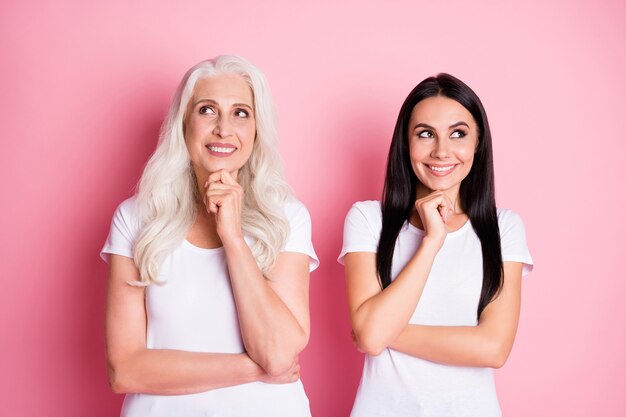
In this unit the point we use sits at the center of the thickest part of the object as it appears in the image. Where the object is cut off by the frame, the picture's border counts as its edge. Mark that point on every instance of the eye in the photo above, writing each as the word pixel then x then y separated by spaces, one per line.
pixel 206 110
pixel 243 114
pixel 425 134
pixel 457 134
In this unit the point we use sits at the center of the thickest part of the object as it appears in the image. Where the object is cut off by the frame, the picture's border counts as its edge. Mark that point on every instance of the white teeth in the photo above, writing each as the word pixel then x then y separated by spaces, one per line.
pixel 441 169
pixel 221 150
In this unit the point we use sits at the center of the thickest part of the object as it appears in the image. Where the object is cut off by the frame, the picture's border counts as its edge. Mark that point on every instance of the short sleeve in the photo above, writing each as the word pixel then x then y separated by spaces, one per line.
pixel 361 229
pixel 513 240
pixel 124 230
pixel 300 232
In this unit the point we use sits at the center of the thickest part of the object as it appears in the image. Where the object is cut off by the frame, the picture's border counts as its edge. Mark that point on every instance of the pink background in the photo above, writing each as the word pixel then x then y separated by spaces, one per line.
pixel 83 90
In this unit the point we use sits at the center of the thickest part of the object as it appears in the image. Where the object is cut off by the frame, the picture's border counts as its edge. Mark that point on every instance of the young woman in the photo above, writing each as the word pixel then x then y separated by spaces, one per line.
pixel 209 263
pixel 434 271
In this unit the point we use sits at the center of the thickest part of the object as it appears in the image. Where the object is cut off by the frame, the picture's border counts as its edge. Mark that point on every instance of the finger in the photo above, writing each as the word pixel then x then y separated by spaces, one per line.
pixel 442 203
pixel 433 198
pixel 219 186
pixel 215 204
pixel 432 204
pixel 217 197
pixel 444 212
pixel 449 207
pixel 221 198
pixel 214 177
pixel 212 207
pixel 227 178
pixel 224 195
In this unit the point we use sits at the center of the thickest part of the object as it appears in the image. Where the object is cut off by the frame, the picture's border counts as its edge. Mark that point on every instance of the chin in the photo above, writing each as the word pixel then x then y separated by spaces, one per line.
pixel 438 186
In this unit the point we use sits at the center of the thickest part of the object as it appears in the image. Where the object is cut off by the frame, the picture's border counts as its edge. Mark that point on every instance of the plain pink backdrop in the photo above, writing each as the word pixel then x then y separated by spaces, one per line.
pixel 83 90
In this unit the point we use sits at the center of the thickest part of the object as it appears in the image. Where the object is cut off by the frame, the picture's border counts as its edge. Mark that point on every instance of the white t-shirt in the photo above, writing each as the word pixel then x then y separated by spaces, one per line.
pixel 396 384
pixel 194 310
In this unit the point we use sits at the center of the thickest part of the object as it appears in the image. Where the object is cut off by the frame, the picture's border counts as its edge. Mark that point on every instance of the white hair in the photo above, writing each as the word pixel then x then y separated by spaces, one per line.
pixel 167 193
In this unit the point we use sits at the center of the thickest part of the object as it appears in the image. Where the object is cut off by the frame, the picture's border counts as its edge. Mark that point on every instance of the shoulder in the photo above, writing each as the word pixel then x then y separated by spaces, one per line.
pixel 126 219
pixel 365 216
pixel 371 209
pixel 295 210
pixel 513 239
pixel 509 219
pixel 128 212
pixel 299 239
pixel 124 230
pixel 361 230
pixel 129 206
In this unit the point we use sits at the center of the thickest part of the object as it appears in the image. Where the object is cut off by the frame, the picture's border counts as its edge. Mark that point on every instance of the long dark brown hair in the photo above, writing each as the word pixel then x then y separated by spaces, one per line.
pixel 477 194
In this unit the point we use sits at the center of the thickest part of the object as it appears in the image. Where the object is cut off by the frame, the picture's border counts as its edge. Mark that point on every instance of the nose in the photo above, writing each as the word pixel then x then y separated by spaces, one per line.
pixel 222 127
pixel 440 150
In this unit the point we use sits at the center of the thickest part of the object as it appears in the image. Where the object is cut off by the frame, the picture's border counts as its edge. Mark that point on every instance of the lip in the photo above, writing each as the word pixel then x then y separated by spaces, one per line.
pixel 441 170
pixel 221 150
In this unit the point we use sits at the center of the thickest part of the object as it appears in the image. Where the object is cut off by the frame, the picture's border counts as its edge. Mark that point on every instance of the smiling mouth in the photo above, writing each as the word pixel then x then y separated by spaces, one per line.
pixel 221 149
pixel 441 169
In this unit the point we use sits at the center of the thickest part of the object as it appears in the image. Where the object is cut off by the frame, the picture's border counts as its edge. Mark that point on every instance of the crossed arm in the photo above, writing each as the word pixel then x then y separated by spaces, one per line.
pixel 380 317
pixel 273 316
pixel 135 368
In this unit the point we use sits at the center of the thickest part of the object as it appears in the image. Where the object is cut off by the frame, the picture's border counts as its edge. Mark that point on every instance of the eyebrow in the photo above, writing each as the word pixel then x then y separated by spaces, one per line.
pixel 211 101
pixel 452 126
pixel 457 124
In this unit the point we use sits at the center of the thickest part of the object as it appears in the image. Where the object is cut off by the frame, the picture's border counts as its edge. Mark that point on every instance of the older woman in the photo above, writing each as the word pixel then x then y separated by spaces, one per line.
pixel 209 263
pixel 434 271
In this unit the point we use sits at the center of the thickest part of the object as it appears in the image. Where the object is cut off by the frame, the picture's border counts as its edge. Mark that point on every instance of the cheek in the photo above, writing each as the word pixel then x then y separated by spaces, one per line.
pixel 468 164
pixel 417 152
pixel 247 134
pixel 467 156
pixel 190 131
pixel 465 153
pixel 193 140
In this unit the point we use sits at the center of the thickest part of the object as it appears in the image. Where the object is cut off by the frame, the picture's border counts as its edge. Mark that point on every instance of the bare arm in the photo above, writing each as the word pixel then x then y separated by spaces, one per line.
pixel 487 345
pixel 378 316
pixel 135 368
pixel 273 314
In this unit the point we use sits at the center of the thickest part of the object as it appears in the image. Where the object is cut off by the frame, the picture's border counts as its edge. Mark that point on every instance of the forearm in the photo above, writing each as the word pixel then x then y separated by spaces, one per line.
pixel 487 345
pixel 453 345
pixel 271 333
pixel 378 321
pixel 173 372
pixel 137 369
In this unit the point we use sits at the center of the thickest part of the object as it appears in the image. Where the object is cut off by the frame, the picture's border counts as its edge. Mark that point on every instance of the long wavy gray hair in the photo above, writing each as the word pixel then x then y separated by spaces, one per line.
pixel 167 188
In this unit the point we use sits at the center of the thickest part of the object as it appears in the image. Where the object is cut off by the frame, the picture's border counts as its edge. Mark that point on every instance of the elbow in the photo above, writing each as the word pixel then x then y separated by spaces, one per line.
pixel 280 362
pixel 120 379
pixel 116 382
pixel 277 366
pixel 370 348
pixel 498 361
pixel 118 388
pixel 277 355
pixel 368 343
pixel 497 355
